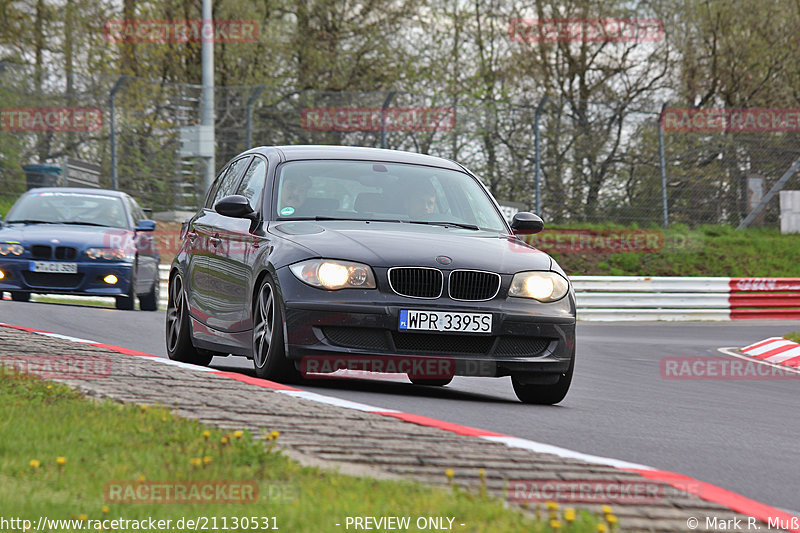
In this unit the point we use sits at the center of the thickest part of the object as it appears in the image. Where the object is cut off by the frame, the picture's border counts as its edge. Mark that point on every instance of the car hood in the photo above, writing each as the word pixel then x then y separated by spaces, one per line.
pixel 387 244
pixel 66 234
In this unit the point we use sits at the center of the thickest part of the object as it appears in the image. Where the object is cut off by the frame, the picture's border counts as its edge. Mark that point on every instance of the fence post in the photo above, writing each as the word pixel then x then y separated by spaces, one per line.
pixel 386 104
pixel 771 194
pixel 250 103
pixel 113 134
pixel 664 207
pixel 537 155
pixel 207 75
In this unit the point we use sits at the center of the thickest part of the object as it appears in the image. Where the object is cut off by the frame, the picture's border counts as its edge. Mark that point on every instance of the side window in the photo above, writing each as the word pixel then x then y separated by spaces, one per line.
pixel 253 183
pixel 212 192
pixel 228 183
pixel 136 211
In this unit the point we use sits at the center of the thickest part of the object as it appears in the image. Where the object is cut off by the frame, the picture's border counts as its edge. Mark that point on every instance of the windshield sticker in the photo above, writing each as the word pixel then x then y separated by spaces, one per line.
pixel 287 211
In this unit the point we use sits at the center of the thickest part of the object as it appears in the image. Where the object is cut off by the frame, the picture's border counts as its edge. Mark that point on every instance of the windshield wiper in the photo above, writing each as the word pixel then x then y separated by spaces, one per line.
pixel 29 221
pixel 446 224
pixel 86 224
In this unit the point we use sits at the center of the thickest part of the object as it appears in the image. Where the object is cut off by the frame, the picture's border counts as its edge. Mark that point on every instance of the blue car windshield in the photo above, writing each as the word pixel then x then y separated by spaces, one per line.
pixel 384 191
pixel 57 207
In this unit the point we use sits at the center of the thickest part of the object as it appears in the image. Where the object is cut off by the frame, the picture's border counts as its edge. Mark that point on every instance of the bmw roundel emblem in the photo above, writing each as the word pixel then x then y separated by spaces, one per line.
pixel 443 260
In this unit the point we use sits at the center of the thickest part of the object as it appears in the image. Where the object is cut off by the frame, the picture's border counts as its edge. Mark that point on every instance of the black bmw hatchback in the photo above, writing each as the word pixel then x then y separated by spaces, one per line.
pixel 317 259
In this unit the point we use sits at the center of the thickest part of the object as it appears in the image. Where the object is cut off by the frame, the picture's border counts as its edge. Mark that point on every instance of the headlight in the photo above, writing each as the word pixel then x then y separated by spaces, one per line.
pixel 7 248
pixel 542 286
pixel 106 253
pixel 334 275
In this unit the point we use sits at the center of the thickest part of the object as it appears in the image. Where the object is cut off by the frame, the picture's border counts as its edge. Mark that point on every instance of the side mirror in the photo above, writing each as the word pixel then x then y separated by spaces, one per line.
pixel 1 221
pixel 235 206
pixel 146 225
pixel 526 224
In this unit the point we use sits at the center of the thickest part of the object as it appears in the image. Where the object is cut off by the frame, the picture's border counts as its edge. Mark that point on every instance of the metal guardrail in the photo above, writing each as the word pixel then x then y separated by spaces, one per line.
pixel 686 298
pixel 607 298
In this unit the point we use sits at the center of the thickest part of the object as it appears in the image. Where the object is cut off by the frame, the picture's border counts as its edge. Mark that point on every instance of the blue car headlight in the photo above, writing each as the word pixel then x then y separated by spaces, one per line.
pixel 109 254
pixel 10 248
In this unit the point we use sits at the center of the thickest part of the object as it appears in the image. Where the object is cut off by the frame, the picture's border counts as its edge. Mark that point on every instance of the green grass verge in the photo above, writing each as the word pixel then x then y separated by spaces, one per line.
pixel 793 336
pixel 106 442
pixel 700 251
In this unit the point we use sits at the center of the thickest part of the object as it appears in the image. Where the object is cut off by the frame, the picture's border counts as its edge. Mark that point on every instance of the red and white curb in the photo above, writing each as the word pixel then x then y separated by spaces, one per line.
pixel 706 491
pixel 775 350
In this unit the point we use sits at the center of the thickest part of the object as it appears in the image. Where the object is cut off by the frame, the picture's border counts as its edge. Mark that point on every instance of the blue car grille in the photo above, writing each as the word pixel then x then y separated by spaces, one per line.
pixel 44 251
pixel 41 251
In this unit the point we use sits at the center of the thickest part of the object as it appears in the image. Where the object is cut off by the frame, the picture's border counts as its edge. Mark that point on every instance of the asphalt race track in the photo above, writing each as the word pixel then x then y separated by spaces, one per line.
pixel 738 434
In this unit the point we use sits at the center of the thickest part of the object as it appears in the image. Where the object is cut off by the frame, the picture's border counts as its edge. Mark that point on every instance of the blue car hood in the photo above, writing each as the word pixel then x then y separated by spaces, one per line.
pixel 66 235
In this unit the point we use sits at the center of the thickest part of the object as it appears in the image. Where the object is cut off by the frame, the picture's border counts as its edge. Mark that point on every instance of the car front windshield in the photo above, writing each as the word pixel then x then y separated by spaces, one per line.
pixel 367 190
pixel 56 207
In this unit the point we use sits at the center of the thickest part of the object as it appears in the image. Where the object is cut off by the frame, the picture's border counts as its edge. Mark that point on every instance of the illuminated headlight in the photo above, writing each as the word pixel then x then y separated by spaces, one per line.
pixel 334 275
pixel 106 253
pixel 542 286
pixel 8 248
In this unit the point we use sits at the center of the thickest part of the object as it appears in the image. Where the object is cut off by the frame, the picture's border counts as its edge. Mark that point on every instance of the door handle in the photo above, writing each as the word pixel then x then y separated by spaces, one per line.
pixel 215 240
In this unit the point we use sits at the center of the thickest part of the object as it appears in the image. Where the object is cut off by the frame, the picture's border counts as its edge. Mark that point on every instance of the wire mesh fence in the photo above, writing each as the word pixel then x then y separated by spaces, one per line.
pixel 597 162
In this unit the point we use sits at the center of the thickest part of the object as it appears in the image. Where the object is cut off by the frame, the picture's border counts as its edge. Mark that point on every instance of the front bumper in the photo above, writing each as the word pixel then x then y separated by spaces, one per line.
pixel 527 337
pixel 88 281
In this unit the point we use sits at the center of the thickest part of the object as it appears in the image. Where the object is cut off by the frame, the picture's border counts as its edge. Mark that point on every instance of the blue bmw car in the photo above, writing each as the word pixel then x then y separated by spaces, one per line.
pixel 89 242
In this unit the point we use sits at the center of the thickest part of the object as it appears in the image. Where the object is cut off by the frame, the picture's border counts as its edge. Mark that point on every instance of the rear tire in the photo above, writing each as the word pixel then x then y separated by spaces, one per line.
pixel 20 296
pixel 178 329
pixel 149 302
pixel 544 394
pixel 269 353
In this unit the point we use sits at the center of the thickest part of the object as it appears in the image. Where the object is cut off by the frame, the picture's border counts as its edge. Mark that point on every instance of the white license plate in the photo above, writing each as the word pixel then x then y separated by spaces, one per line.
pixel 60 268
pixel 445 321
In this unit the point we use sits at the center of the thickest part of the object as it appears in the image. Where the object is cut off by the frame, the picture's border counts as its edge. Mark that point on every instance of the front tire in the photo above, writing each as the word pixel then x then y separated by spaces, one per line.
pixel 125 303
pixel 544 394
pixel 178 329
pixel 149 302
pixel 20 296
pixel 269 354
